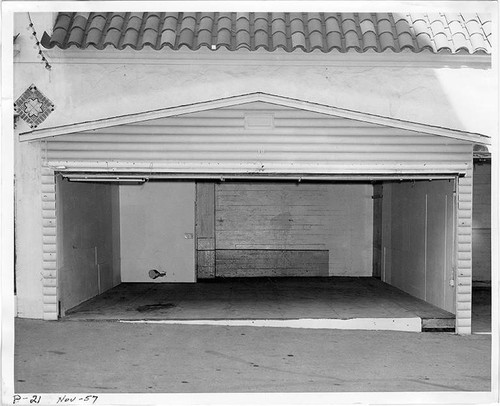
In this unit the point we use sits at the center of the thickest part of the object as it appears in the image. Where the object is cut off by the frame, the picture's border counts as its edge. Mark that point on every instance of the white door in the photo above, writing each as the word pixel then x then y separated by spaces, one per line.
pixel 157 231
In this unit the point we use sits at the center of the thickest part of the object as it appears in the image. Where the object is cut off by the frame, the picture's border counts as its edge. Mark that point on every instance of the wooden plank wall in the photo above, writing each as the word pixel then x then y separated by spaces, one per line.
pixel 252 263
pixel 276 219
pixel 205 230
pixel 377 229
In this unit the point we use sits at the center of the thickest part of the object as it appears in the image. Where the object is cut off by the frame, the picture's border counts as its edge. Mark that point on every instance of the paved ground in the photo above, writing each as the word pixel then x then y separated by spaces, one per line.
pixel 80 356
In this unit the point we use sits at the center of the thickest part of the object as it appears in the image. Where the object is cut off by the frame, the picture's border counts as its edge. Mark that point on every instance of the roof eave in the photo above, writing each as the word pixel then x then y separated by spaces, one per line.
pixel 261 57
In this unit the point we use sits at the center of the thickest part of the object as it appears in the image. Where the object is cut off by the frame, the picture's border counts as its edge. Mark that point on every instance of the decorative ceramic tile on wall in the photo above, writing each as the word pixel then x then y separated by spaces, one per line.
pixel 33 106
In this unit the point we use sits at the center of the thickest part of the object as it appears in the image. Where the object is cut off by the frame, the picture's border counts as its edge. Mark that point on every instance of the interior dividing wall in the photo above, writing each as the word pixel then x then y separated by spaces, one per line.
pixel 481 222
pixel 293 229
pixel 157 231
pixel 87 239
pixel 418 239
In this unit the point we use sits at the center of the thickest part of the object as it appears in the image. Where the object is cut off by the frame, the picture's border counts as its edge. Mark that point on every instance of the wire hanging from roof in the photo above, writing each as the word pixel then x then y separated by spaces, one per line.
pixel 40 52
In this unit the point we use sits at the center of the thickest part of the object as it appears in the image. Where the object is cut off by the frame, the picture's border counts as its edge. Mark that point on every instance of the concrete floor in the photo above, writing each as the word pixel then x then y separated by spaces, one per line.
pixel 89 357
pixel 259 298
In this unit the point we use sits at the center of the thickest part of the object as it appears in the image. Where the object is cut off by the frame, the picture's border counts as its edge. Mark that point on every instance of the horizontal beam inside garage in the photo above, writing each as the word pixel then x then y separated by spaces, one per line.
pixel 117 177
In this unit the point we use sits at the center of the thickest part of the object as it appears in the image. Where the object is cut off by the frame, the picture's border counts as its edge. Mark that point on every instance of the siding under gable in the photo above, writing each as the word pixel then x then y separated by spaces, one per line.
pixel 258 138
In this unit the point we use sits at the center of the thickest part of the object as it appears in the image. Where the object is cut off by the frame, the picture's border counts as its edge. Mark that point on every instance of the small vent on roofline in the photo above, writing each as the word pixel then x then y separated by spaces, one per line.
pixel 259 121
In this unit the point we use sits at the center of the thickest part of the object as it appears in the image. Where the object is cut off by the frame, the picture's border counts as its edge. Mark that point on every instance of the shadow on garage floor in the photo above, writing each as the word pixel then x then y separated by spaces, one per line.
pixel 481 309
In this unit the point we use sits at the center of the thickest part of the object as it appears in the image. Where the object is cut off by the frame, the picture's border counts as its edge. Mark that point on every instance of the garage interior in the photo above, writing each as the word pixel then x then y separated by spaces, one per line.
pixel 135 247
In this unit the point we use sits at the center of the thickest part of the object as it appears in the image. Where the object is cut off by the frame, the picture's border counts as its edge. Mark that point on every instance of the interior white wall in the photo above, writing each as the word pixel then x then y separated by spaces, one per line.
pixel 155 218
pixel 87 227
pixel 417 240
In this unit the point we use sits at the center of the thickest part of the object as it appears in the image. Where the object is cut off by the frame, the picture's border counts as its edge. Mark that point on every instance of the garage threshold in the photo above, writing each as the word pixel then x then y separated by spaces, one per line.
pixel 324 302
pixel 380 323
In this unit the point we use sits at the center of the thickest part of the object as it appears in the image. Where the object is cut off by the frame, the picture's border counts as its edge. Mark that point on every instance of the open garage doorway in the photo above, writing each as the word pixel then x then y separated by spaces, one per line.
pixel 113 231
pixel 258 250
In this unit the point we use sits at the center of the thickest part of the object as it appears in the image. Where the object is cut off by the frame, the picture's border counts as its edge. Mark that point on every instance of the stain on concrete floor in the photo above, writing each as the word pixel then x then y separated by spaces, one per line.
pixel 155 307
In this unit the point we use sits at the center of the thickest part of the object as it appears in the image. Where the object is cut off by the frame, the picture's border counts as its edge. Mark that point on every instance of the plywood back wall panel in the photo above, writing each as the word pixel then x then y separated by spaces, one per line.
pixel 299 216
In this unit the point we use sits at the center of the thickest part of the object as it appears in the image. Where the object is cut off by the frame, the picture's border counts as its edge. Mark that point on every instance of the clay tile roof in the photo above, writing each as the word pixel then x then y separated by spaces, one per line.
pixel 437 32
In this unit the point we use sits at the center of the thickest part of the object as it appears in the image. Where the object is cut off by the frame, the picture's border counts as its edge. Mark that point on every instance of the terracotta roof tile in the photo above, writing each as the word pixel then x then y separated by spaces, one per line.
pixel 76 36
pixel 314 25
pixel 421 27
pixel 460 43
pixel 130 38
pixel 299 40
pixel 370 41
pixel 438 27
pixel 116 21
pixel 261 40
pixel 402 26
pixel 112 37
pixel 150 37
pixel 316 40
pixel 397 17
pixel 406 41
pixel 367 26
pixel 478 42
pixel 487 28
pixel 384 26
pixel 424 41
pixel 441 42
pixel 387 41
pixel 436 32
pixel 243 40
pixel 168 38
pixel 349 25
pixel 352 40
pixel 332 24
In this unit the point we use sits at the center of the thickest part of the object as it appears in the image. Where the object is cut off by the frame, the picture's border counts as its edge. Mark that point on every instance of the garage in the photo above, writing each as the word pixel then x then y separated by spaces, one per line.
pixel 258 188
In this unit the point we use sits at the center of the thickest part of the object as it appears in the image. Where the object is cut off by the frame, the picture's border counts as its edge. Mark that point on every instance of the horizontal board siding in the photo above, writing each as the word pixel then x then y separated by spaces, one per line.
pixel 464 257
pixel 259 263
pixel 219 141
pixel 49 265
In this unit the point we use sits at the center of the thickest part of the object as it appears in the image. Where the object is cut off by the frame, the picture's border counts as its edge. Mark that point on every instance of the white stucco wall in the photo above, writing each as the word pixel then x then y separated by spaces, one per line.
pixel 28 230
pixel 463 99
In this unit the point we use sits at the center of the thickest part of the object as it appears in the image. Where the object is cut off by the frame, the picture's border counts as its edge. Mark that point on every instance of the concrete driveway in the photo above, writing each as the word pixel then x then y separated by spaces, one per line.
pixel 69 356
